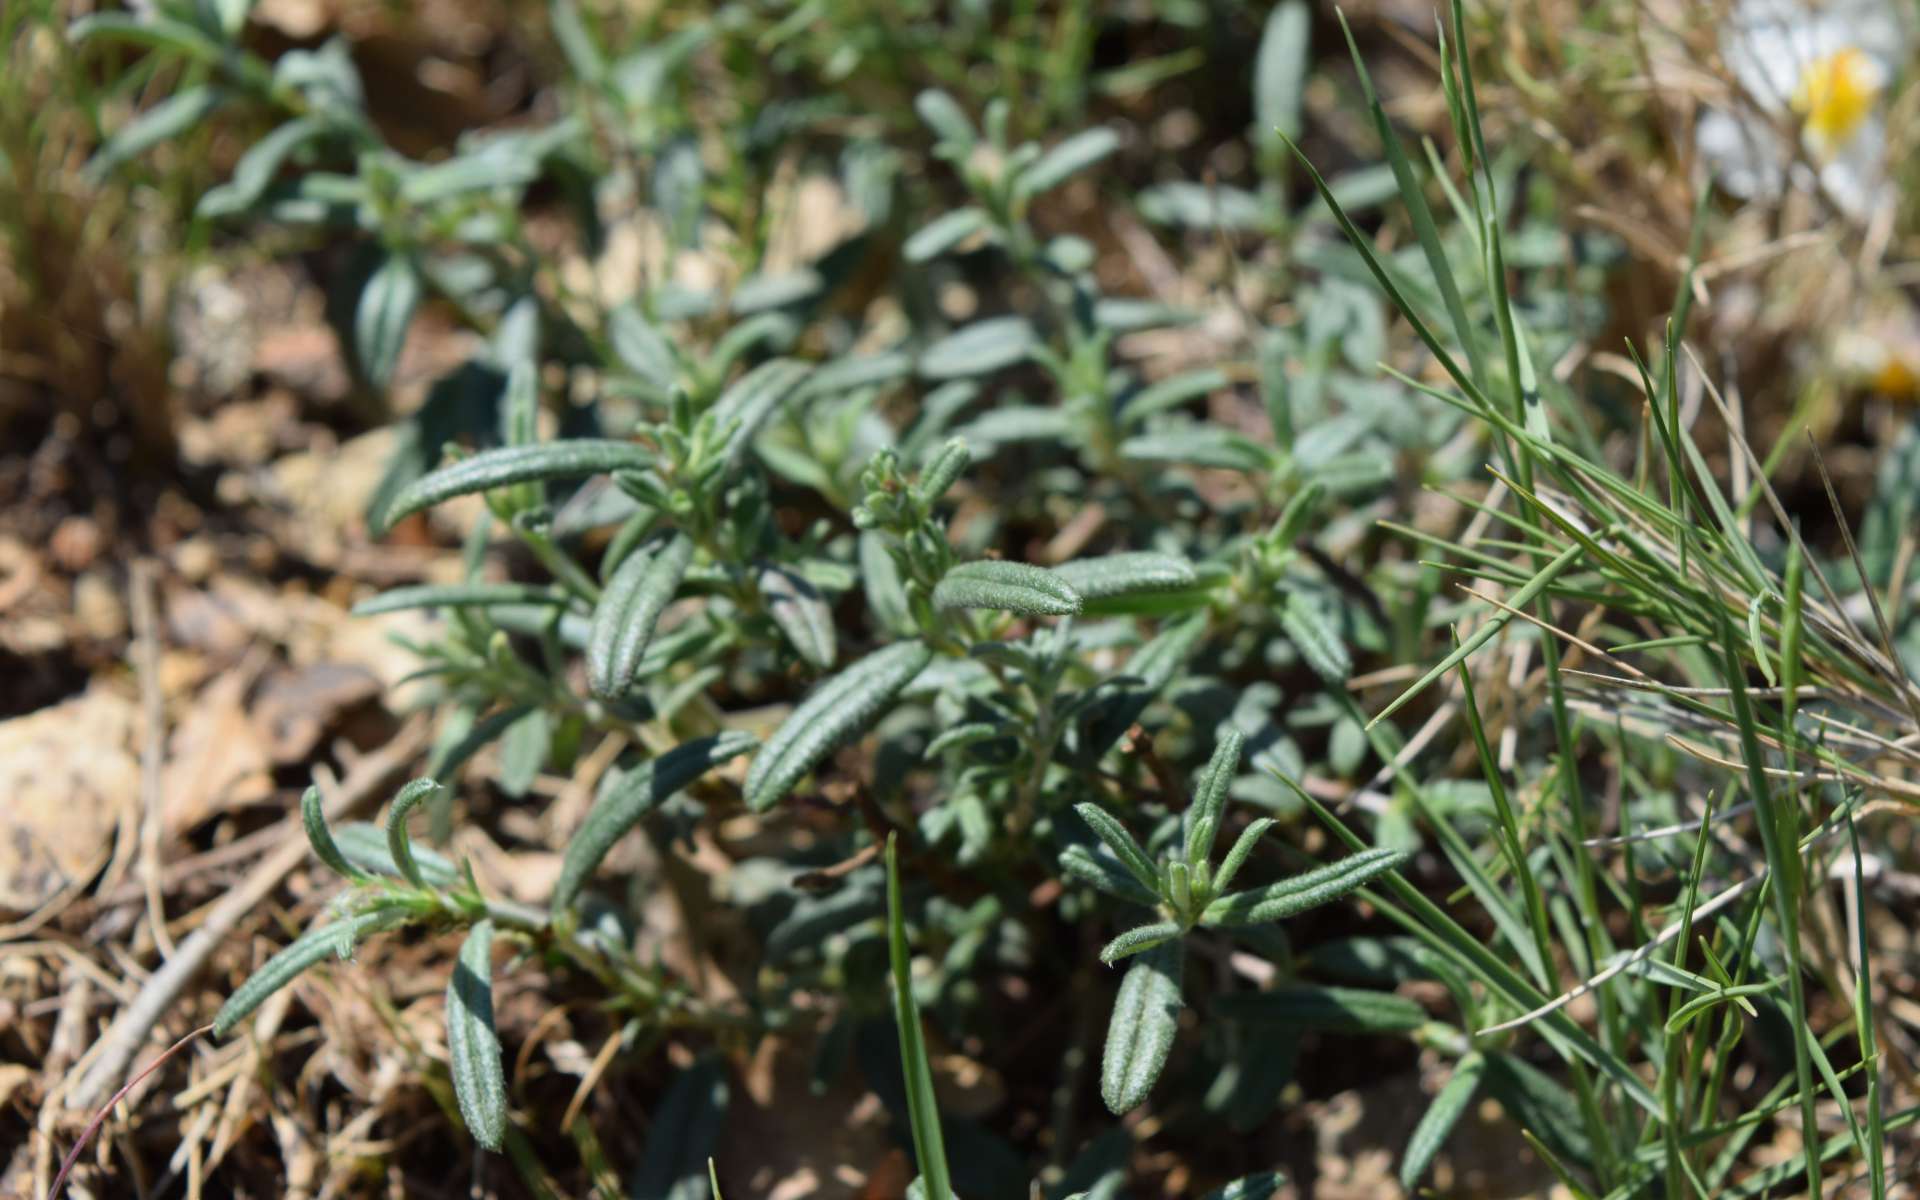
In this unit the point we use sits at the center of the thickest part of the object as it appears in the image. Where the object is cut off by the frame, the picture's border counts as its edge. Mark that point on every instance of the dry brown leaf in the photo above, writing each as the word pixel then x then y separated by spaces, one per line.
pixel 217 758
pixel 65 771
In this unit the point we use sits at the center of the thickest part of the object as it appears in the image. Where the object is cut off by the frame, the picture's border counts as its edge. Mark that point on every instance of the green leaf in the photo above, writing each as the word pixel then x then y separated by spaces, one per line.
pixel 628 611
pixel 1262 1185
pixel 365 846
pixel 460 595
pixel 943 233
pixel 955 736
pixel 641 347
pixel 880 582
pixel 1130 573
pixel 1108 874
pixel 1070 157
pixel 1539 1105
pixel 1317 638
pixel 1280 74
pixel 637 792
pixel 801 612
pixel 685 1130
pixel 160 33
pixel 979 348
pixel 569 459
pixel 743 408
pixel 1146 1014
pixel 945 118
pixel 1199 446
pixel 1006 586
pixel 321 838
pixel 382 316
pixel 525 747
pixel 1171 393
pixel 1117 839
pixel 1289 896
pixel 399 845
pixel 335 939
pixel 257 167
pixel 1335 1009
pixel 923 1112
pixel 1209 805
pixel 838 710
pixel 164 121
pixel 1431 1133
pixel 1202 206
pixel 1242 847
pixel 473 1049
pixel 1140 939
pixel 943 469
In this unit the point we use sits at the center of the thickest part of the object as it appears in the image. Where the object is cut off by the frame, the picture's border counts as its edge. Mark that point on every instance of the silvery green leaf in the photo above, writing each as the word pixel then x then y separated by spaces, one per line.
pixel 1121 314
pixel 753 399
pixel 945 118
pixel 1280 73
pixel 631 796
pixel 833 713
pixel 461 595
pixel 1199 446
pixel 399 844
pixel 384 313
pixel 943 233
pixel 524 749
pixel 163 122
pixel 684 1129
pixel 628 611
pixel 1539 1104
pixel 334 939
pixel 577 42
pixel 1262 1185
pixel 504 465
pixel 1104 871
pixel 1146 1015
pixel 1317 639
pixel 1007 587
pixel 465 737
pixel 321 838
pixel 880 579
pixel 1127 573
pixel 1334 1009
pixel 1237 855
pixel 257 167
pixel 943 469
pixel 161 33
pixel 979 348
pixel 1076 154
pixel 1118 840
pixel 1201 206
pixel 1308 890
pixel 956 736
pixel 1209 806
pixel 641 347
pixel 1139 939
pixel 1453 1099
pixel 365 846
pixel 1171 394
pixel 678 178
pixel 473 1049
pixel 802 614
pixel 1015 424
pixel 761 293
pixel 852 374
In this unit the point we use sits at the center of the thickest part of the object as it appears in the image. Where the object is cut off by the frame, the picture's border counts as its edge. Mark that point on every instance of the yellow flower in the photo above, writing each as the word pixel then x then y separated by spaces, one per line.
pixel 1836 95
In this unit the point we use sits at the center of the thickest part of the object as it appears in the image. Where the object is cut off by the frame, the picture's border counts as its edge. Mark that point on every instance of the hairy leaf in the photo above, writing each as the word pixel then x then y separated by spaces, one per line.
pixel 1431 1133
pixel 800 611
pixel 473 1049
pixel 686 1127
pixel 1317 638
pixel 1106 873
pixel 321 838
pixel 460 595
pixel 398 843
pixel 943 233
pixel 1006 586
pixel 1076 154
pixel 628 611
pixel 365 846
pixel 1146 1015
pixel 570 459
pixel 743 408
pixel 836 711
pixel 636 793
pixel 1127 574
pixel 336 939
pixel 1209 805
pixel 1139 939
pixel 1289 896
pixel 381 319
pixel 979 348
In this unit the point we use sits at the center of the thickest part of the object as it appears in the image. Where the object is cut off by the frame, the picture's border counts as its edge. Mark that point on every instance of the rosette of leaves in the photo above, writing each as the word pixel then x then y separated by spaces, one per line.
pixel 1186 889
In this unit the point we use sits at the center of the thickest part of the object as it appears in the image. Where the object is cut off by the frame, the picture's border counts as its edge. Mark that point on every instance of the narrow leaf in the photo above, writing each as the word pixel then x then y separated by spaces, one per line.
pixel 1127 574
pixel 1139 939
pixel 1006 586
pixel 381 319
pixel 460 595
pixel 929 1147
pixel 943 233
pixel 1335 1009
pixel 321 838
pixel 1209 805
pixel 399 845
pixel 1455 1096
pixel 1315 887
pixel 800 611
pixel 473 1049
pixel 635 794
pixel 1118 840
pixel 1076 154
pixel 1261 1186
pixel 1106 873
pixel 743 408
pixel 628 611
pixel 686 1129
pixel 335 939
pixel 979 348
pixel 1317 639
pixel 836 711
pixel 571 459
pixel 1146 1015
